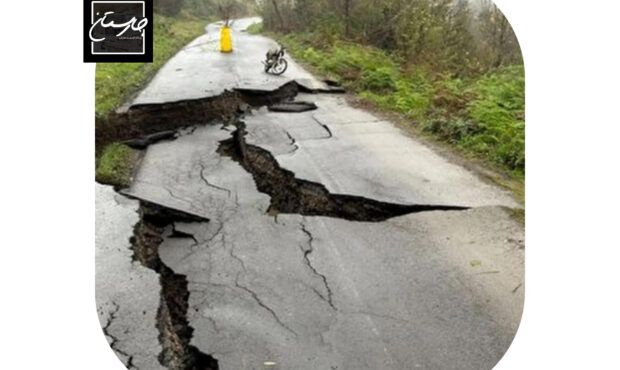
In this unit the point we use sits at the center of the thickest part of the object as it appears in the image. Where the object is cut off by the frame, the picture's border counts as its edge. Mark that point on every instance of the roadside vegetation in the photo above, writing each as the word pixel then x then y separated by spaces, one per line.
pixel 255 29
pixel 115 83
pixel 115 165
pixel 452 69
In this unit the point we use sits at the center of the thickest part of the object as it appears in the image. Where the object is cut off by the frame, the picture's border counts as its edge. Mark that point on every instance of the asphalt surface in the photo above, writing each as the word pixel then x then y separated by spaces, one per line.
pixel 126 292
pixel 431 290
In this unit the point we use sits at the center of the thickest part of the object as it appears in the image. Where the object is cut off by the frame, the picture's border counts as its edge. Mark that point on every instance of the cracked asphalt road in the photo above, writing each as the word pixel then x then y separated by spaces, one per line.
pixel 429 290
pixel 127 293
pixel 199 70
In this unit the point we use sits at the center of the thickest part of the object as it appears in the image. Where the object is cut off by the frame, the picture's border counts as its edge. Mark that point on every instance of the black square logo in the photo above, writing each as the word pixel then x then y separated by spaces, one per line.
pixel 118 31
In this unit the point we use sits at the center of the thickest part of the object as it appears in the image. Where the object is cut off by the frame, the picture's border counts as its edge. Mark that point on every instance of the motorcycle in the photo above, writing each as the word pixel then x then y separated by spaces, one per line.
pixel 275 63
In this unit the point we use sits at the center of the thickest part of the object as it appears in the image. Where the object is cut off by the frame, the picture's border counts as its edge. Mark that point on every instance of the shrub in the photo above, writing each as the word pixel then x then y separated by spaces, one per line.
pixel 379 79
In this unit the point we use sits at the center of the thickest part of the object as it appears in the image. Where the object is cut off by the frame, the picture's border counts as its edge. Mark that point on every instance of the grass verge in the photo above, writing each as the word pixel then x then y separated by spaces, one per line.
pixel 481 117
pixel 255 28
pixel 115 83
pixel 115 166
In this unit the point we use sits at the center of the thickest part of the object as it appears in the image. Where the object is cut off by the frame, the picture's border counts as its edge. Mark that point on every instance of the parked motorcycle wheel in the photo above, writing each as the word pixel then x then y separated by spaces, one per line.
pixel 280 66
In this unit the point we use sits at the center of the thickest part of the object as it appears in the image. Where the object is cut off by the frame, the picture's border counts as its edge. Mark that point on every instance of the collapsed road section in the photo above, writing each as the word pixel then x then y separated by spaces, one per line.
pixel 145 124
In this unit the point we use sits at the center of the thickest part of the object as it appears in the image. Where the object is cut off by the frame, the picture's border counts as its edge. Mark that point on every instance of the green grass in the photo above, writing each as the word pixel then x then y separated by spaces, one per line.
pixel 518 214
pixel 483 117
pixel 255 29
pixel 115 165
pixel 116 82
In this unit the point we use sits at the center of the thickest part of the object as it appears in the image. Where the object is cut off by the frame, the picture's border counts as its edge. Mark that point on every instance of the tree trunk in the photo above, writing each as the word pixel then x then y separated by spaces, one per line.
pixel 278 15
pixel 347 17
pixel 501 40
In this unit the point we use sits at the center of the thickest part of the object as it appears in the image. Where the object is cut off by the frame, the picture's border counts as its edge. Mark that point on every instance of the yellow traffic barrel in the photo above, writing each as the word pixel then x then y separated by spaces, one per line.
pixel 225 40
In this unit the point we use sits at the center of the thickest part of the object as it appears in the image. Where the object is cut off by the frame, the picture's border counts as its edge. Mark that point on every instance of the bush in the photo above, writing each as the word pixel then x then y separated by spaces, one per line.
pixel 380 79
pixel 499 106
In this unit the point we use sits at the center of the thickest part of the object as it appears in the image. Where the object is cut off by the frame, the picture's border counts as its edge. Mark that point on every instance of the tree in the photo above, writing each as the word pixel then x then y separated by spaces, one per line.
pixel 278 14
pixel 498 41
pixel 229 9
pixel 442 34
pixel 347 17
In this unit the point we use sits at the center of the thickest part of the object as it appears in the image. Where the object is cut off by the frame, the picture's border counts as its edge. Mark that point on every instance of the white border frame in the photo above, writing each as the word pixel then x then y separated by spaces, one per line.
pixel 92 20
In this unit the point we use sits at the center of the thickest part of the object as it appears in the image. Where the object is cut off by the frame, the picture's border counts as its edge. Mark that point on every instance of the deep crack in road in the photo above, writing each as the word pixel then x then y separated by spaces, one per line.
pixel 292 195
